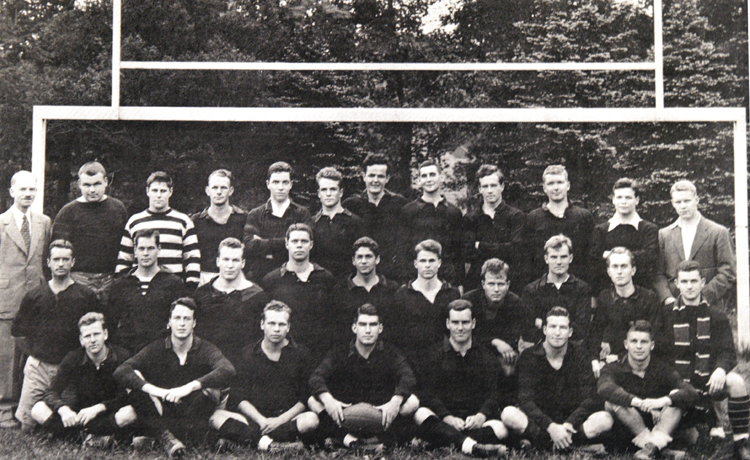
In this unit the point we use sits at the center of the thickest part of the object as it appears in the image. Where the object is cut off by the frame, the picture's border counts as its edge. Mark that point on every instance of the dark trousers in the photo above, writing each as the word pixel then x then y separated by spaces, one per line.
pixel 187 420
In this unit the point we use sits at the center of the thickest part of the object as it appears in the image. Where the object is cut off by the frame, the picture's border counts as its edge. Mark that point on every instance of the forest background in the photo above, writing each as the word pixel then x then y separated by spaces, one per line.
pixel 57 52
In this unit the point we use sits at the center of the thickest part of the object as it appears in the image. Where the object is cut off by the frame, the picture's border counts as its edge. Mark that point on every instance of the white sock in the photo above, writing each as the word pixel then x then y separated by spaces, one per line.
pixel 264 443
pixel 467 446
pixel 349 439
pixel 738 437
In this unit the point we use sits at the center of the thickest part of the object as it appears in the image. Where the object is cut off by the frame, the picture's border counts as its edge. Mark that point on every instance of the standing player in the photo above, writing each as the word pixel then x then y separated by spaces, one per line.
pixel 495 230
pixel 266 225
pixel 46 326
pixel 24 237
pixel 218 221
pixel 230 304
pixel 380 210
pixel 179 252
pixel 93 223
pixel 335 229
pixel 431 217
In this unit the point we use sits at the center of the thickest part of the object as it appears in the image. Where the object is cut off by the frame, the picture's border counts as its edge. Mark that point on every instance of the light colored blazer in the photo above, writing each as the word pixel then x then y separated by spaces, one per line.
pixel 21 271
pixel 712 249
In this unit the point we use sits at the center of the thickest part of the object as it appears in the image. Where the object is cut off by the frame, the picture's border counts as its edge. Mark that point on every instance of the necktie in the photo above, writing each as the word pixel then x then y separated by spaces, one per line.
pixel 25 232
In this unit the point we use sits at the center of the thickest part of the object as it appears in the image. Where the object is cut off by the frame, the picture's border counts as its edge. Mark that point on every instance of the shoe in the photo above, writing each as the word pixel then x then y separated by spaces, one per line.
pixel 648 452
pixel 295 446
pixel 174 447
pixel 717 432
pixel 224 445
pixel 489 450
pixel 742 449
pixel 594 449
pixel 332 444
pixel 142 443
pixel 367 447
pixel 673 454
pixel 99 442
pixel 524 444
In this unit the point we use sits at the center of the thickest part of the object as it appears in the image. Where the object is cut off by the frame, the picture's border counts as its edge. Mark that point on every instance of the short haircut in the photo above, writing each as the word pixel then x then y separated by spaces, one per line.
pixel 366 309
pixel 329 173
pixel 92 168
pixel 460 305
pixel 280 167
pixel 186 302
pixel 222 173
pixel 377 159
pixel 621 250
pixel 298 227
pixel 488 170
pixel 626 182
pixel 18 174
pixel 683 186
pixel 496 267
pixel 232 243
pixel 642 325
pixel 557 311
pixel 429 246
pixel 160 177
pixel 427 163
pixel 62 244
pixel 276 305
pixel 555 170
pixel 558 241
pixel 366 242
pixel 147 233
pixel 688 266
pixel 90 318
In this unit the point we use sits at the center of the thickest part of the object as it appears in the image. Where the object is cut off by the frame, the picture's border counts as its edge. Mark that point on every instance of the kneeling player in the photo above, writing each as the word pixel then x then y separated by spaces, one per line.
pixel 87 375
pixel 270 388
pixel 558 404
pixel 640 389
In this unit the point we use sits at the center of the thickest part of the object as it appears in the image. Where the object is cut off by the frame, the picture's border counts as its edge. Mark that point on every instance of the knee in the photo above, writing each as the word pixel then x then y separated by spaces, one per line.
pixel 307 421
pixel 514 419
pixel 125 416
pixel 422 414
pixel 41 412
pixel 220 416
pixel 501 432
pixel 409 406
pixel 736 385
pixel 597 424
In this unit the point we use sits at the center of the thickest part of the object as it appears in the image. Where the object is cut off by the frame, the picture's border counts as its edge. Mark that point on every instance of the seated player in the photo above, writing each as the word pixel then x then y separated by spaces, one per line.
pixel 463 385
pixel 640 389
pixel 558 404
pixel 169 379
pixel 368 370
pixel 86 377
pixel 503 322
pixel 698 341
pixel 230 304
pixel 269 393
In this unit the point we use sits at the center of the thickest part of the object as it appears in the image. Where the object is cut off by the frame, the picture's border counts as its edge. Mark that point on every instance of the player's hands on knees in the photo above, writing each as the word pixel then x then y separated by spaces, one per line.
pixel 475 422
pixel 650 404
pixel 334 407
pixel 270 424
pixel 455 422
pixel 561 435
pixel 596 367
pixel 68 416
pixel 175 394
pixel 90 413
pixel 507 353
pixel 605 350
pixel 717 381
pixel 390 412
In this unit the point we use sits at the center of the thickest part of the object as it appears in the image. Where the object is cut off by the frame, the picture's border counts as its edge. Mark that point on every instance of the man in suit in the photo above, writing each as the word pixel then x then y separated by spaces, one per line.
pixel 693 237
pixel 24 237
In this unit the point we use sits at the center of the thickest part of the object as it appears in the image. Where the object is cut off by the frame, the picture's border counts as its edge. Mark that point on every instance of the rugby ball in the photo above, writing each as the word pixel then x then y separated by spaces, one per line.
pixel 363 420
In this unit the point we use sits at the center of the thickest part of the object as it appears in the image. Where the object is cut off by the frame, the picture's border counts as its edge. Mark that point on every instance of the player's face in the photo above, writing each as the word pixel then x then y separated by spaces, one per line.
pixel 639 345
pixel 685 203
pixel 365 261
pixel 92 337
pixel 60 262
pixel 491 190
pixel 329 192
pixel 219 190
pixel 427 264
pixel 279 184
pixel 690 285
pixel 375 178
pixel 146 252
pixel 625 201
pixel 429 179
pixel 495 287
pixel 182 322
pixel 230 263
pixel 158 196
pixel 299 245
pixel 620 269
pixel 92 187
pixel 556 187
pixel 557 331
pixel 558 260
pixel 23 191
pixel 368 329
pixel 275 326
pixel 460 325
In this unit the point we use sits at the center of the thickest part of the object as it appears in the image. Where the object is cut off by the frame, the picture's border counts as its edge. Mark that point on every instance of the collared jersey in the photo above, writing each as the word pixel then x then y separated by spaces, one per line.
pixel 508 321
pixel 350 297
pixel 574 294
pixel 333 241
pixel 211 233
pixel 642 241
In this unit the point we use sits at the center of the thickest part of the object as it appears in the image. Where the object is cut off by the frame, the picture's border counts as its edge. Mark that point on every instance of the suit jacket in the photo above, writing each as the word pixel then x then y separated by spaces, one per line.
pixel 21 270
pixel 712 249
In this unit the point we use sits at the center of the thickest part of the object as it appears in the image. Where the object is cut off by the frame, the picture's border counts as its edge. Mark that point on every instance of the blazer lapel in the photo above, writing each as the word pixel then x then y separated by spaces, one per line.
pixel 701 234
pixel 675 243
pixel 37 231
pixel 11 229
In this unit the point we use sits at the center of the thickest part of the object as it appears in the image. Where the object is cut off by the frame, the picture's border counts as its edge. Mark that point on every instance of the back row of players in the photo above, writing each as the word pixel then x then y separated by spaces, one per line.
pixel 414 315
